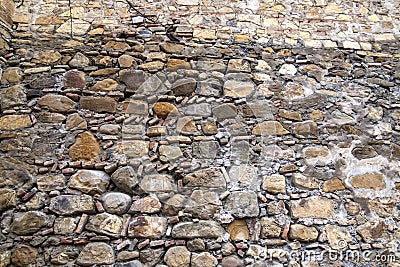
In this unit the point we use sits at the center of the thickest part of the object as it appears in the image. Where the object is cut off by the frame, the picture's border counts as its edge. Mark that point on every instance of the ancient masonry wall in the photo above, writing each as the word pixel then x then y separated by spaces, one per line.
pixel 199 133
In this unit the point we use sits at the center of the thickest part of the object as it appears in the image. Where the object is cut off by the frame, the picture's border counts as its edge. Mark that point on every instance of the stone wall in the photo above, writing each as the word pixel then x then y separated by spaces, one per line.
pixel 196 133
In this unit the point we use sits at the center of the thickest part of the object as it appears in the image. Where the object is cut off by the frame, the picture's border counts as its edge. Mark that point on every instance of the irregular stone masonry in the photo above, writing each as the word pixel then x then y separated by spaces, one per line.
pixel 196 133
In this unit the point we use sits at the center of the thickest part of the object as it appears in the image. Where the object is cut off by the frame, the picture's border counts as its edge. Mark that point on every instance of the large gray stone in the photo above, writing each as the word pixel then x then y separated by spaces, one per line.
pixel 244 176
pixel 28 223
pixel 242 204
pixel 157 183
pixel 201 229
pixel 72 204
pixel 203 204
pixel 125 179
pixel 206 178
pixel 116 203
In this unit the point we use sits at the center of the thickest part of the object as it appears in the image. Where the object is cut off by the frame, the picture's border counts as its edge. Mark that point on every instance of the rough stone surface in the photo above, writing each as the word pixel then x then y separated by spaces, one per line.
pixel 72 204
pixel 57 103
pixel 90 182
pixel 12 96
pixel 157 183
pixel 238 89
pixel 269 128
pixel 116 203
pixel 270 228
pixel 201 229
pixel 147 227
pixel 203 204
pixel 238 230
pixel 104 223
pixel 204 259
pixel 98 104
pixel 15 122
pixel 303 233
pixel 86 147
pixel 74 79
pixel 313 207
pixel 368 181
pixel 177 256
pixel 207 178
pixel 149 204
pixel 28 223
pixel 8 199
pixel 125 179
pixel 24 255
pixel 274 184
pixel 242 204
pixel 96 253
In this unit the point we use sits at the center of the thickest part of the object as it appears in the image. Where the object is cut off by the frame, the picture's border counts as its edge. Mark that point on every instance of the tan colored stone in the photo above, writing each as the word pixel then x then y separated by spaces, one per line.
pixel 79 27
pixel 204 34
pixel 157 131
pixel 114 45
pixel 316 151
pixel 104 72
pixel 290 115
pixel 47 57
pixel 303 233
pixel 238 89
pixel 75 122
pixel 23 255
pixel 11 75
pixel 241 38
pixel 126 61
pixel 316 115
pixel 149 204
pixel 238 230
pixel 209 128
pixel 312 207
pixel 172 48
pixel 274 183
pixel 267 128
pixel 89 181
pixel 186 126
pixel 8 199
pixel 332 8
pixel 368 181
pixel 86 147
pixel 152 66
pixel 338 237
pixel 96 254
pixel 177 64
pixel 178 256
pixel 15 122
pixel 135 148
pixel 304 182
pixel 57 103
pixel 75 12
pixel 332 185
pixel 165 109
pixel 238 65
pixel 105 85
